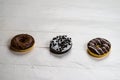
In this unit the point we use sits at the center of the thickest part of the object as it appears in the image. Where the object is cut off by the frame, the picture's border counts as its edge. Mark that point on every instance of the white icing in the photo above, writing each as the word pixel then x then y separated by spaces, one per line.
pixel 106 46
pixel 105 49
pixel 59 42
pixel 99 41
pixel 101 50
pixel 94 49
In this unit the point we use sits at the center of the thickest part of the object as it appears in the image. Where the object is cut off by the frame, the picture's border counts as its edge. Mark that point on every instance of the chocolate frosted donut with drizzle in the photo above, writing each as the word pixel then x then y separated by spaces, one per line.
pixel 98 47
pixel 60 44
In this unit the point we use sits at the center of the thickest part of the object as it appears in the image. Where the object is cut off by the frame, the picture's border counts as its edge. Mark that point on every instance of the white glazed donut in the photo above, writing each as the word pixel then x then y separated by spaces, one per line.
pixel 60 44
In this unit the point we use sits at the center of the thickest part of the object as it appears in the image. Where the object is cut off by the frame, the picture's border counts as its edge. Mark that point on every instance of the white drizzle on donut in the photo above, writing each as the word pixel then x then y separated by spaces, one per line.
pixel 90 47
pixel 99 46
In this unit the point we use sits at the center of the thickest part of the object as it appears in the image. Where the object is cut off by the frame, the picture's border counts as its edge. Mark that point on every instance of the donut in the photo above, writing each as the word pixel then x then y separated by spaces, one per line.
pixel 60 44
pixel 22 43
pixel 99 47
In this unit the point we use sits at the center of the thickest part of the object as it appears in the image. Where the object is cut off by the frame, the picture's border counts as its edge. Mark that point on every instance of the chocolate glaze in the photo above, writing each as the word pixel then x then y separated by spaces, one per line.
pixel 99 46
pixel 22 42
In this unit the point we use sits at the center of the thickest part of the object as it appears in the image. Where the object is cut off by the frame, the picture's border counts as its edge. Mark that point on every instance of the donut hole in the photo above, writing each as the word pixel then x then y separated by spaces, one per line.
pixel 23 40
pixel 98 46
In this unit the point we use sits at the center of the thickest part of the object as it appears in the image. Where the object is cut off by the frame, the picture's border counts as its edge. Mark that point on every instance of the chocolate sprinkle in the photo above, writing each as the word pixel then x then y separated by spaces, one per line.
pixel 60 44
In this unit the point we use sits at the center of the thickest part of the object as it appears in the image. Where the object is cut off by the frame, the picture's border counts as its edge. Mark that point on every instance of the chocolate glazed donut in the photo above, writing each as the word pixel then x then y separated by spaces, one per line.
pixel 22 42
pixel 99 47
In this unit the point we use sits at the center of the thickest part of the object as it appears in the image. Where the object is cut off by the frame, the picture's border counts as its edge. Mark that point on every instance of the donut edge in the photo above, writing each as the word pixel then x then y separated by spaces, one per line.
pixel 26 50
pixel 57 52
pixel 98 56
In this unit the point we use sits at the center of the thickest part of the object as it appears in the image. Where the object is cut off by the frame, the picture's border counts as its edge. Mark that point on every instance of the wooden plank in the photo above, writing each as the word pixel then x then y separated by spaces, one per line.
pixel 82 20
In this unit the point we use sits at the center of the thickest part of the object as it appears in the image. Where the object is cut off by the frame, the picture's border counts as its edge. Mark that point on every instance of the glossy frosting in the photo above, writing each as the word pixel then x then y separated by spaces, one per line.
pixel 99 46
pixel 22 42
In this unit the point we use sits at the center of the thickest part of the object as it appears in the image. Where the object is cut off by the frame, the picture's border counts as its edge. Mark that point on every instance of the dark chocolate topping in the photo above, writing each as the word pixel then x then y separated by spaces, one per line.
pixel 99 46
pixel 22 41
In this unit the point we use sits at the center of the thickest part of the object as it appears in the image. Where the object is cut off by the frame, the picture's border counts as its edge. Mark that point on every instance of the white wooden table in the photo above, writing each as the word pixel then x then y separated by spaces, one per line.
pixel 82 20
